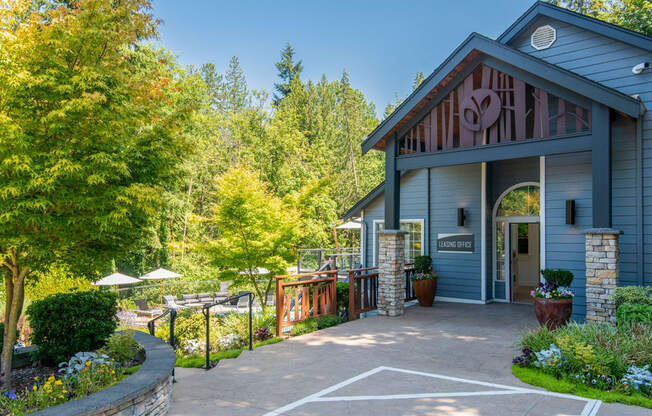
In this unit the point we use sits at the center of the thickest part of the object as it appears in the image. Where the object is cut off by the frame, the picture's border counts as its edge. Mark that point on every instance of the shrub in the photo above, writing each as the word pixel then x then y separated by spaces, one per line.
pixel 304 327
pixel 633 294
pixel 536 340
pixel 423 264
pixel 67 323
pixel 327 321
pixel 314 324
pixel 342 296
pixel 262 334
pixel 121 347
pixel 634 312
pixel 559 277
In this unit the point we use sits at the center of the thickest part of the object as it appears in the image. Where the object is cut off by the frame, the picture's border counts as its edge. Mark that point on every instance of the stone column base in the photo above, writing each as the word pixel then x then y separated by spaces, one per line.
pixel 602 258
pixel 391 272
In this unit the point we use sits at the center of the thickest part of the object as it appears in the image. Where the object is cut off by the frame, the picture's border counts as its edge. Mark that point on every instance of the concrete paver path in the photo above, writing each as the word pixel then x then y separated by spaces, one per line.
pixel 453 359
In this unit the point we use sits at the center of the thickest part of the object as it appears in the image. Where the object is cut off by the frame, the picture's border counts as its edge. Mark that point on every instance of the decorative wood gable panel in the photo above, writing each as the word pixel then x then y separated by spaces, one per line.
pixel 491 107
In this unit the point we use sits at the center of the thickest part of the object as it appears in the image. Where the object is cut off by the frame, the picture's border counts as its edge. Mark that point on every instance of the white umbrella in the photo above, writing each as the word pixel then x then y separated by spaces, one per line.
pixel 259 270
pixel 116 279
pixel 351 225
pixel 160 274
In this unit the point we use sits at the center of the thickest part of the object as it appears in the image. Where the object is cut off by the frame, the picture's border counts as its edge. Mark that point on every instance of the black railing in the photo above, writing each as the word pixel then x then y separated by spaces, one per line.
pixel 206 309
pixel 173 316
pixel 409 289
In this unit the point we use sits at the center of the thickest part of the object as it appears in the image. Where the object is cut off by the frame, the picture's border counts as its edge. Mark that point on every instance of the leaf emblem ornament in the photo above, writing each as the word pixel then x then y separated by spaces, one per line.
pixel 480 109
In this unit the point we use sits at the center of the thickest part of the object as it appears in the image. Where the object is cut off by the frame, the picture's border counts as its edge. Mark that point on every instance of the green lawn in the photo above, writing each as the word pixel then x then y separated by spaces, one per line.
pixel 537 378
pixel 198 361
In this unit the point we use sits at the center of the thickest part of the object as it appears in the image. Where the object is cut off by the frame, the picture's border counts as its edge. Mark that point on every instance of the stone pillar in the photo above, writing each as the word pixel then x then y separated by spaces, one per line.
pixel 602 258
pixel 391 272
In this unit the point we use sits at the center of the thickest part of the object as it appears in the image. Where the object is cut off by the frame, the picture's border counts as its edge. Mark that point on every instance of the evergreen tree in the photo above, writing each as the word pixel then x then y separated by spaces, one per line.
pixel 418 79
pixel 287 71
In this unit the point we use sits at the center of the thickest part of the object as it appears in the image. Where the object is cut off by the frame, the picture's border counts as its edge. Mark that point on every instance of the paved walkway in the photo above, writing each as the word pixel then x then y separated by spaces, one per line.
pixel 451 360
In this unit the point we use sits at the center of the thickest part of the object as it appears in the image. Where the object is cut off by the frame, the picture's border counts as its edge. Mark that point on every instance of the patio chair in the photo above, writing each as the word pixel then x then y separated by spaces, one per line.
pixel 172 302
pixel 243 304
pixel 144 309
pixel 224 289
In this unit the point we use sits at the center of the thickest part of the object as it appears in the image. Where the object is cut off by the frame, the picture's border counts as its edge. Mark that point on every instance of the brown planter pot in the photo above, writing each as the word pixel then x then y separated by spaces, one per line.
pixel 553 313
pixel 425 291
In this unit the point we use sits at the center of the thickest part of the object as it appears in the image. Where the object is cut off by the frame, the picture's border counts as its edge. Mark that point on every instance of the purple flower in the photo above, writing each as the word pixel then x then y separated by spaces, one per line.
pixel 10 394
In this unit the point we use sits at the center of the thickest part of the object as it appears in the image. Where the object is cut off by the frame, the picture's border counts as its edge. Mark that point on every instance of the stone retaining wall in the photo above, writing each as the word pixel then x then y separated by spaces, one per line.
pixel 146 392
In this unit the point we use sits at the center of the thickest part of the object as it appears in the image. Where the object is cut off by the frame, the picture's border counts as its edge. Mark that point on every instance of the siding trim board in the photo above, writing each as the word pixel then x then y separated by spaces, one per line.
pixel 488 153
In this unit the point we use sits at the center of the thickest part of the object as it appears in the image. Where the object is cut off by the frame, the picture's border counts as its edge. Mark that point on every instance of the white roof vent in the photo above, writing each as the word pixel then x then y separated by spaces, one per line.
pixel 543 37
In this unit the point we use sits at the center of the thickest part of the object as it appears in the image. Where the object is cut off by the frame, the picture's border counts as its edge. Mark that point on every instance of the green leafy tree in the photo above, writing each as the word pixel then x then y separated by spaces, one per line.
pixel 88 133
pixel 635 15
pixel 256 230
pixel 288 70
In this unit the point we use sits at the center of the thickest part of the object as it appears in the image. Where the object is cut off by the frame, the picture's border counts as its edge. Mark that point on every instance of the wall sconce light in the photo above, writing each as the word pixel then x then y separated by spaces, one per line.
pixel 460 217
pixel 570 211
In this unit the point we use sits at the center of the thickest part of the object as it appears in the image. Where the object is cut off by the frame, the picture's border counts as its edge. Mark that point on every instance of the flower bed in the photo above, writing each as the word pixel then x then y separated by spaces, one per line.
pixel 84 374
pixel 593 359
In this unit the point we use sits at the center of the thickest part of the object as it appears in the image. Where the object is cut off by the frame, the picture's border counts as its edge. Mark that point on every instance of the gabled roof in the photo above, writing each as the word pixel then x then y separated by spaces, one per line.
pixel 479 45
pixel 366 200
pixel 609 30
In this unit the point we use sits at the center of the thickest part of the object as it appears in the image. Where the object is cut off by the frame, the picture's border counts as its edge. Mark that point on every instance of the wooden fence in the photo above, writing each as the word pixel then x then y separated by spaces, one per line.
pixel 303 296
pixel 363 289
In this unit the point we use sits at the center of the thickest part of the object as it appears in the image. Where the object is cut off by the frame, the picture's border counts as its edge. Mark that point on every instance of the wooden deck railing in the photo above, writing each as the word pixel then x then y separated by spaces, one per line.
pixel 298 300
pixel 363 289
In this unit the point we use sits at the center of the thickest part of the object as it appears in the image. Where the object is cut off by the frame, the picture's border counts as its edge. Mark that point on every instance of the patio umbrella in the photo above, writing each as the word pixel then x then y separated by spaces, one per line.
pixel 116 279
pixel 160 274
pixel 259 270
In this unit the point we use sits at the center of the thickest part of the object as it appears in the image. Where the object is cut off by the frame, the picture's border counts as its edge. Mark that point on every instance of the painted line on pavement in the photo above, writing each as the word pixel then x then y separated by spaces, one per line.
pixel 591 407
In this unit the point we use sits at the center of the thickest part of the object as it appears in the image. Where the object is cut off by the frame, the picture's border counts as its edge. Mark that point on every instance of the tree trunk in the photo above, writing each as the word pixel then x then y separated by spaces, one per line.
pixel 201 198
pixel 15 292
pixel 355 175
pixel 185 219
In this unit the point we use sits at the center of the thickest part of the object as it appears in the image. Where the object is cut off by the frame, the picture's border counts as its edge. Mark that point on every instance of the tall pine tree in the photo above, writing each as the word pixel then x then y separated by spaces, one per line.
pixel 287 71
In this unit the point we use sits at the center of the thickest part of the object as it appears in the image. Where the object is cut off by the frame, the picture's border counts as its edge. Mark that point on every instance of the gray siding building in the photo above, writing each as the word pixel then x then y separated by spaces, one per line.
pixel 504 157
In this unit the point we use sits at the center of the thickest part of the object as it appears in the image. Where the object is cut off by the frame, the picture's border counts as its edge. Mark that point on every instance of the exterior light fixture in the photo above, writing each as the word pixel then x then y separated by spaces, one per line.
pixel 570 211
pixel 460 217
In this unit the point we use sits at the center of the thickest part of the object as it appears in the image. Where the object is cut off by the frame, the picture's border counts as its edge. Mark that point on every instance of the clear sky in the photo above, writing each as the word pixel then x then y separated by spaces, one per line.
pixel 381 44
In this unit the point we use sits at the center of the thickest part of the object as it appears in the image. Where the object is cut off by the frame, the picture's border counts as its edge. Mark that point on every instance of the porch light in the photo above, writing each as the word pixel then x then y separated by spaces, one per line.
pixel 460 217
pixel 570 211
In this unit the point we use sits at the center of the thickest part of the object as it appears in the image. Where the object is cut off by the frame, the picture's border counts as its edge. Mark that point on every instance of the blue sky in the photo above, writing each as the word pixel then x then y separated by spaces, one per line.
pixel 381 44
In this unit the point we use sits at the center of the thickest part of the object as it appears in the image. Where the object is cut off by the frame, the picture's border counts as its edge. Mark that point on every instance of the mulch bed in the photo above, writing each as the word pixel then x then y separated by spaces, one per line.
pixel 23 378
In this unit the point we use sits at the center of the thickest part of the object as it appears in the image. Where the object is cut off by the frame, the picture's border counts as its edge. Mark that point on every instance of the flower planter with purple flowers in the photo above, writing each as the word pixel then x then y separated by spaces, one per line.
pixel 553 300
pixel 424 281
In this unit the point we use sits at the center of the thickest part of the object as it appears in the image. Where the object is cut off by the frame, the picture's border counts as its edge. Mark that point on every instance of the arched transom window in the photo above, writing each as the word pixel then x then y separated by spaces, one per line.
pixel 520 202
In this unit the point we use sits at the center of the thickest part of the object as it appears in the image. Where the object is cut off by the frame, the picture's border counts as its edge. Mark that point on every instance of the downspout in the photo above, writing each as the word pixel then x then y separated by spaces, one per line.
pixel 428 215
pixel 639 199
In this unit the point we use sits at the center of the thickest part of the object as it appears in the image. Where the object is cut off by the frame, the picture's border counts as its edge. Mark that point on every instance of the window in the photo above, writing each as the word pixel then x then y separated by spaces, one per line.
pixel 523 201
pixel 413 238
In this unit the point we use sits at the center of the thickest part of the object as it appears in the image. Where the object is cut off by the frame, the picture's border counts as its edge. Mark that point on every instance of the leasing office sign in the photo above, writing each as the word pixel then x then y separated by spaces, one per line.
pixel 455 243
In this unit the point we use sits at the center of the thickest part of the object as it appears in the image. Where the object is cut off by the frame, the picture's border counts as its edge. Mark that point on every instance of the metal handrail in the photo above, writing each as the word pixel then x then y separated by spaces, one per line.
pixel 173 316
pixel 206 311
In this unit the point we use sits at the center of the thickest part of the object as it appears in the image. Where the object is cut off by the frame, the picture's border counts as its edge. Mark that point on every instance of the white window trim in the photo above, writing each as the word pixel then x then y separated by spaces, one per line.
pixel 508 220
pixel 375 235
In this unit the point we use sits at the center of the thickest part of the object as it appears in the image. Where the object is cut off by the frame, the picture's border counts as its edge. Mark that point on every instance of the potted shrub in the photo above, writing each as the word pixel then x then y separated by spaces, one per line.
pixel 553 300
pixel 424 280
